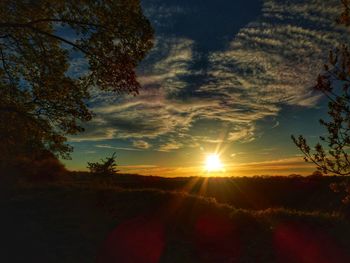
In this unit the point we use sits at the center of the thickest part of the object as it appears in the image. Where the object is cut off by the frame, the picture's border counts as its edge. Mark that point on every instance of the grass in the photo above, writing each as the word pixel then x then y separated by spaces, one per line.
pixel 100 221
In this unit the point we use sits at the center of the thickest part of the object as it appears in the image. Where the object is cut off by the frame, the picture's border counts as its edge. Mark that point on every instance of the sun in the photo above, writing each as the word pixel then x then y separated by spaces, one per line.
pixel 213 163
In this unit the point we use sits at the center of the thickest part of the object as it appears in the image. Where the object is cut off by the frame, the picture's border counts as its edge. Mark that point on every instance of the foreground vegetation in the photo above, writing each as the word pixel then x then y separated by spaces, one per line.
pixel 95 220
pixel 295 192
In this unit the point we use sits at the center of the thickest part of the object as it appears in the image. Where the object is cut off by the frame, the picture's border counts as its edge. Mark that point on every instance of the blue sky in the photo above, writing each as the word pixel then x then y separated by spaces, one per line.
pixel 228 76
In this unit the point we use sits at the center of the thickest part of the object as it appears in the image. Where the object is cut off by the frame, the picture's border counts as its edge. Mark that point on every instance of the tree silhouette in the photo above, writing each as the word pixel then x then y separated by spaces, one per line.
pixel 331 155
pixel 105 167
pixel 335 84
pixel 344 18
pixel 41 99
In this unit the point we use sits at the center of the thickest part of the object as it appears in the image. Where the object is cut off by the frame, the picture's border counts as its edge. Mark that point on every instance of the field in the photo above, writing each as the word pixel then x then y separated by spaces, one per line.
pixel 132 218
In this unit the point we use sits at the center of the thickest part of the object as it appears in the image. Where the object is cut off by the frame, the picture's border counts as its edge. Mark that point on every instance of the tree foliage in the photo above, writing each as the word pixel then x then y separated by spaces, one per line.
pixel 331 154
pixel 41 99
pixel 344 17
pixel 106 167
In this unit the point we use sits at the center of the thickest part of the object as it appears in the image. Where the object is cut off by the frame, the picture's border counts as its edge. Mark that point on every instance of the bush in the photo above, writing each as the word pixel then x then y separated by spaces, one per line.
pixel 41 167
pixel 106 167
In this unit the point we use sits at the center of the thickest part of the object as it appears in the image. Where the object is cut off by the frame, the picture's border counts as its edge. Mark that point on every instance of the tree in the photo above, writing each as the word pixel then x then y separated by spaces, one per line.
pixel 335 84
pixel 41 100
pixel 331 155
pixel 344 17
pixel 316 174
pixel 105 168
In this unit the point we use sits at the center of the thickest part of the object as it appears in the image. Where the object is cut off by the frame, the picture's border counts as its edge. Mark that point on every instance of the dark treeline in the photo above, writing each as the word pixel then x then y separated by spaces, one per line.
pixel 301 193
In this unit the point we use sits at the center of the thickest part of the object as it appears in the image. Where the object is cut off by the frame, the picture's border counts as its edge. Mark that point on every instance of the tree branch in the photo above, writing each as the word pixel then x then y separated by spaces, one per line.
pixel 65 21
pixel 5 67
pixel 60 39
pixel 39 31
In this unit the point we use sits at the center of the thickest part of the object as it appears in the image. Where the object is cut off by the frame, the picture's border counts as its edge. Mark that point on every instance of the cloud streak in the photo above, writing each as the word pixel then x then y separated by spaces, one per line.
pixel 270 62
pixel 279 167
pixel 116 148
pixel 141 144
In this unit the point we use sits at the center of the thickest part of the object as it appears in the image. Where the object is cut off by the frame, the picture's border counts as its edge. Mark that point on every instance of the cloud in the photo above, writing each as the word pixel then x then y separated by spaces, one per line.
pixel 282 167
pixel 277 58
pixel 170 146
pixel 152 113
pixel 275 125
pixel 92 134
pixel 244 134
pixel 89 152
pixel 141 144
pixel 270 62
pixel 279 166
pixel 168 64
pixel 116 148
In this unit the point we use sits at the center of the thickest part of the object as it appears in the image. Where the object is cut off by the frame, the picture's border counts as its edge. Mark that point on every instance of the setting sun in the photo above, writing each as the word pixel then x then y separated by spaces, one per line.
pixel 213 163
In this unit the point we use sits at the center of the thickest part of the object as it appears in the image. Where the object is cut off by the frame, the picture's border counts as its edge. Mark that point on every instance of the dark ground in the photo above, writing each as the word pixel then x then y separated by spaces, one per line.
pixel 85 219
pixel 257 193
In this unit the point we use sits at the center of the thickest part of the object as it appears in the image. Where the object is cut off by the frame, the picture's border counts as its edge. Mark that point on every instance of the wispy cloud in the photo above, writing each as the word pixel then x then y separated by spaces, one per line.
pixel 141 144
pixel 272 61
pixel 280 167
pixel 107 133
pixel 274 167
pixel 116 148
pixel 170 146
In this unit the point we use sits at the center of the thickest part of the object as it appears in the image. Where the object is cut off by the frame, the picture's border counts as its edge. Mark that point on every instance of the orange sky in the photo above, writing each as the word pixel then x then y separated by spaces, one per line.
pixel 277 167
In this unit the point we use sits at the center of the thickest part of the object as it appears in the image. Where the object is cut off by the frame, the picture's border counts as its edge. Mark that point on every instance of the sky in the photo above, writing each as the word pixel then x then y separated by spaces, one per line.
pixel 227 77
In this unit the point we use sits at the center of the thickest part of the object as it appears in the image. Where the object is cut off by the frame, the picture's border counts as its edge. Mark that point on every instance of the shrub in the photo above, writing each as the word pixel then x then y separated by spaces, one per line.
pixel 42 167
pixel 106 167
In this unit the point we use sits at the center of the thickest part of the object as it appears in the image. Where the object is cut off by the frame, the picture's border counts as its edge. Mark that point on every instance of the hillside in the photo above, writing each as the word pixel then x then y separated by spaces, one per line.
pixel 99 222
pixel 300 193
